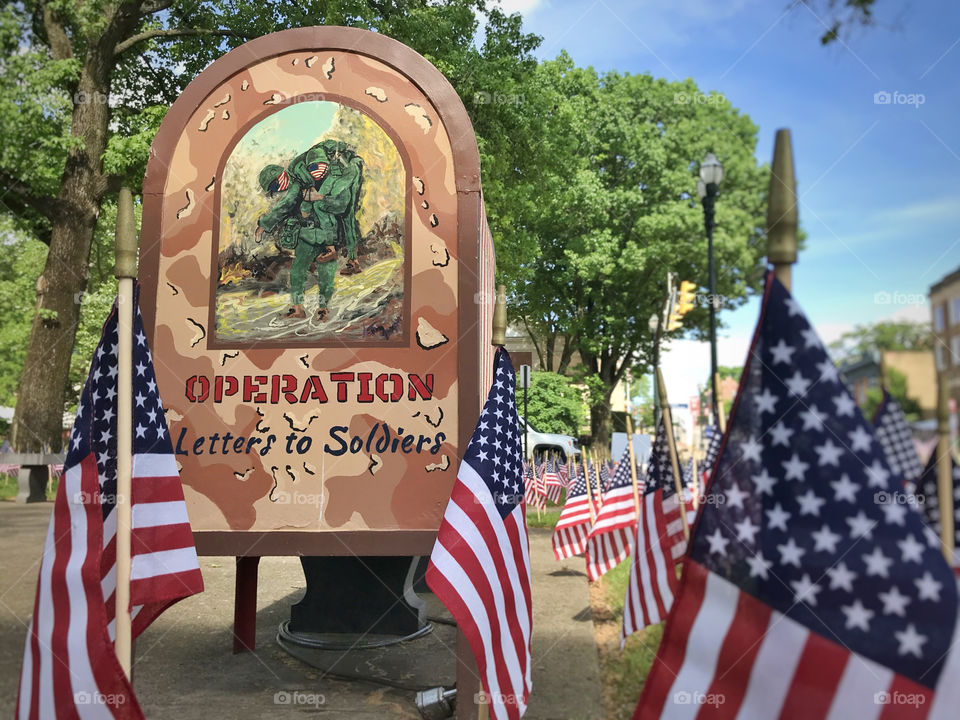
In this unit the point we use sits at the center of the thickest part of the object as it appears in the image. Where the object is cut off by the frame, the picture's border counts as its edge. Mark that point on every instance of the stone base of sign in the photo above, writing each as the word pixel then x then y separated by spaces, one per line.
pixel 358 596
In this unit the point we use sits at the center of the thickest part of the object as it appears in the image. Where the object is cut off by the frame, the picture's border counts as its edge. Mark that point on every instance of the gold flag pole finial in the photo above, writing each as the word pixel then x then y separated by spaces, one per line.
pixel 782 210
pixel 126 236
pixel 500 317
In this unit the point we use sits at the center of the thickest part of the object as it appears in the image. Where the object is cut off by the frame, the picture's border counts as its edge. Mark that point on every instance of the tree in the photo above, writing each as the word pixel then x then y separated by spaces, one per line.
pixel 83 87
pixel 555 405
pixel 896 384
pixel 886 335
pixel 613 207
pixel 840 14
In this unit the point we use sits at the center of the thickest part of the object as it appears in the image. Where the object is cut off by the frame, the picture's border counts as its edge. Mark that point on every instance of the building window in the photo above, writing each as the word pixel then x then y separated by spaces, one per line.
pixel 955 350
pixel 940 352
pixel 939 324
pixel 955 311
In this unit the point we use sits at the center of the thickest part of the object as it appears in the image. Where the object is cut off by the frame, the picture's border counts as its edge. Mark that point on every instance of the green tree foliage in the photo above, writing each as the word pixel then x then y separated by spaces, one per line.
pixel 18 276
pixel 887 335
pixel 555 405
pixel 896 383
pixel 613 207
pixel 84 86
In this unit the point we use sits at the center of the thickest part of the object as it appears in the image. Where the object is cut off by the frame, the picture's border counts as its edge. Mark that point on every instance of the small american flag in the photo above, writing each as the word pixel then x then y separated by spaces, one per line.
pixel 317 170
pixel 804 594
pixel 532 495
pixel 929 496
pixel 70 668
pixel 653 579
pixel 283 181
pixel 573 526
pixel 713 449
pixel 892 430
pixel 610 538
pixel 551 479
pixel 480 564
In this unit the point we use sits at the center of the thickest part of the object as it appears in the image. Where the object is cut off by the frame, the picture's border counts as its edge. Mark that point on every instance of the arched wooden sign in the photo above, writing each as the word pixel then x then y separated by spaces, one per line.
pixel 317 292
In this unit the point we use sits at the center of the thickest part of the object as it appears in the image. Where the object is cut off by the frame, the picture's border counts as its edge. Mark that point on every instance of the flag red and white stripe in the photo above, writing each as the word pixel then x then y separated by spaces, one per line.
pixel 70 668
pixel 480 565
pixel 573 527
pixel 743 659
pixel 653 579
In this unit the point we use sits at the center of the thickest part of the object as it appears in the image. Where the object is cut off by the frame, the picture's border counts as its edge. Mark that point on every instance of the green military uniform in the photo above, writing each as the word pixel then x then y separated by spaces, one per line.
pixel 310 227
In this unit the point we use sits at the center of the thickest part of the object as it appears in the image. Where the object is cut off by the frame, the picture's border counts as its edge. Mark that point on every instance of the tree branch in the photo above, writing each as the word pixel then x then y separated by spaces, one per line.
pixel 56 35
pixel 122 47
pixel 154 6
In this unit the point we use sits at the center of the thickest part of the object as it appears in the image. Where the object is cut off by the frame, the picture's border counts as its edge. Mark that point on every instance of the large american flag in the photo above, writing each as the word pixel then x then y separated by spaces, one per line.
pixel 896 439
pixel 480 564
pixel 653 579
pixel 573 526
pixel 70 668
pixel 610 538
pixel 805 594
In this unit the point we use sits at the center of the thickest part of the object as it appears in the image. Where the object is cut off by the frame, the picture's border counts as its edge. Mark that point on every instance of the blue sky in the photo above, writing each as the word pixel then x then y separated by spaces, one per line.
pixel 878 183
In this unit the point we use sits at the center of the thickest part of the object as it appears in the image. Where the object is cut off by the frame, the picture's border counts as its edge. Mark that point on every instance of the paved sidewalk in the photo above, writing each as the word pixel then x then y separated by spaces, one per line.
pixel 185 671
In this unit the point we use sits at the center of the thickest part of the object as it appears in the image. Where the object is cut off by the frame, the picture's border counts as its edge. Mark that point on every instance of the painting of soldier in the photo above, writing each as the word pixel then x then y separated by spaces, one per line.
pixel 312 237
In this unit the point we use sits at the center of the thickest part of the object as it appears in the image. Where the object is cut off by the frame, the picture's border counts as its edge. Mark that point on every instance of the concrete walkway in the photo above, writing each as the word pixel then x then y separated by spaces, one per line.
pixel 185 671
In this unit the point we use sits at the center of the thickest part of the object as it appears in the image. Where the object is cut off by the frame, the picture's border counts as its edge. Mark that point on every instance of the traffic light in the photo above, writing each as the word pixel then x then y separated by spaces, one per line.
pixel 682 305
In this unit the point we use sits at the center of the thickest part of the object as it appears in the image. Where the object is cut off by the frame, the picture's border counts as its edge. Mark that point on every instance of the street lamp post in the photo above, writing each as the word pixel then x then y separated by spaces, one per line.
pixel 711 173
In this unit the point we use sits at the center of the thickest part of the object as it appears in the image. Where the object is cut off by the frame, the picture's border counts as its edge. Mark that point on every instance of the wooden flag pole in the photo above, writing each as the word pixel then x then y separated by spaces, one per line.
pixel 945 471
pixel 536 487
pixel 125 271
pixel 782 210
pixel 633 468
pixel 596 474
pixel 672 445
pixel 693 471
pixel 721 415
pixel 586 478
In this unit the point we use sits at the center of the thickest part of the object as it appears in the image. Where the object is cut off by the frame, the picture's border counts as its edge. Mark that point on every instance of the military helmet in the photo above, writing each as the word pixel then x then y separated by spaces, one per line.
pixel 268 176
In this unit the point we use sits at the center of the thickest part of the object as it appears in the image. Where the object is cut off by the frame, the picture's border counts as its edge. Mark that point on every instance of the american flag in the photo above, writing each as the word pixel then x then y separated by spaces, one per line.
pixel 610 538
pixel 480 564
pixel 896 439
pixel 929 496
pixel 804 594
pixel 532 495
pixel 563 470
pixel 713 449
pixel 70 668
pixel 551 479
pixel 573 526
pixel 653 579
pixel 317 170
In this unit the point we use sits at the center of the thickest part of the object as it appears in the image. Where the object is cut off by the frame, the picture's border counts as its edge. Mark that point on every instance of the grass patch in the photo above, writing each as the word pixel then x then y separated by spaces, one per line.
pixel 623 672
pixel 548 518
pixel 8 486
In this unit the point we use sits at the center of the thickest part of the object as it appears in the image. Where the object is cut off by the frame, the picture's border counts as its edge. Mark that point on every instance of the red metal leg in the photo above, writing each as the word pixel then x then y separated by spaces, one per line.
pixel 245 605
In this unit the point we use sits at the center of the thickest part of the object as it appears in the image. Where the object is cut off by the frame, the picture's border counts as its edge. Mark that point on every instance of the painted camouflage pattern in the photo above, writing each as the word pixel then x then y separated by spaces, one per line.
pixel 315 491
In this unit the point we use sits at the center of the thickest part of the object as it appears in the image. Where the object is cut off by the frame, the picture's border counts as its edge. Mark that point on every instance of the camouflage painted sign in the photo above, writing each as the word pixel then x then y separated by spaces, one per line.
pixel 317 289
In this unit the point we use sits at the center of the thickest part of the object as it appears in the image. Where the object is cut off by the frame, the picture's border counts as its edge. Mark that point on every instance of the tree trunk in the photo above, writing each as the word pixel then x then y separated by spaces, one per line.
pixel 600 422
pixel 37 422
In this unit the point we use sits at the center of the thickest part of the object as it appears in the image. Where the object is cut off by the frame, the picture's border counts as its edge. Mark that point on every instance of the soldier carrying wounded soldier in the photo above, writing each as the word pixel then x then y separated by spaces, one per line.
pixel 315 217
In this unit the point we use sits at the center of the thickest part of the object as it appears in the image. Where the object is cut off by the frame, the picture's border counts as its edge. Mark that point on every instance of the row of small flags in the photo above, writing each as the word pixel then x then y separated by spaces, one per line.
pixel 811 586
